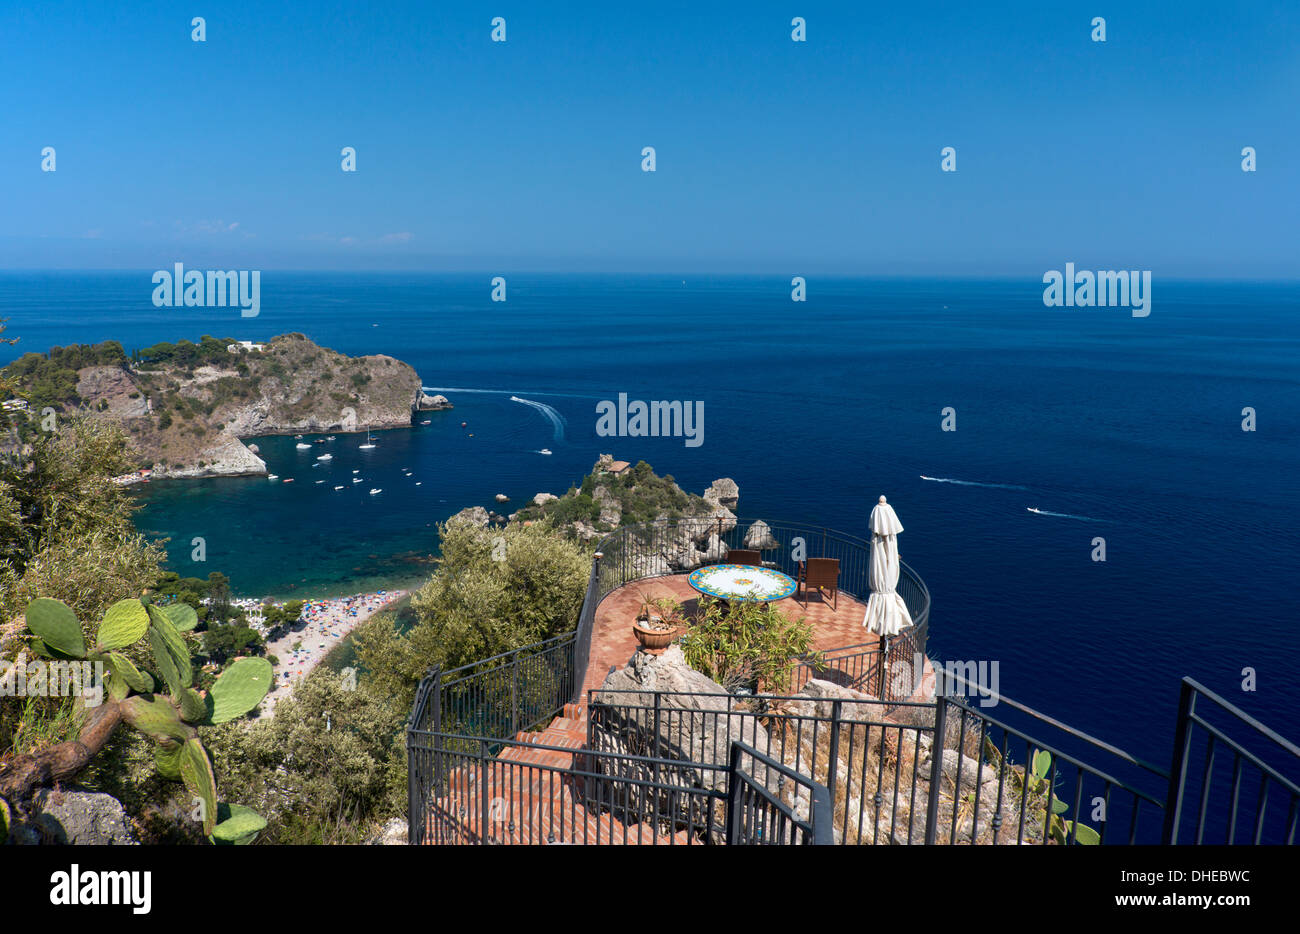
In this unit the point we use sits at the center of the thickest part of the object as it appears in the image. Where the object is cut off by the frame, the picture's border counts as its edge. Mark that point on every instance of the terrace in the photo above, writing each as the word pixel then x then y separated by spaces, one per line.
pixel 527 747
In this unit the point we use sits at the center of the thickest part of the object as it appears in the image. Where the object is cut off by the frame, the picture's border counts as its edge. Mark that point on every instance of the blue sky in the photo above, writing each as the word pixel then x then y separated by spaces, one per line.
pixel 773 156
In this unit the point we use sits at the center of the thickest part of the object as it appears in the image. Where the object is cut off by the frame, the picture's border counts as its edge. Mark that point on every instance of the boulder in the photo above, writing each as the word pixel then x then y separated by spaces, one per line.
pixel 759 537
pixel 502 498
pixel 392 834
pixel 72 817
pixel 541 499
pixel 695 728
pixel 723 492
pixel 473 515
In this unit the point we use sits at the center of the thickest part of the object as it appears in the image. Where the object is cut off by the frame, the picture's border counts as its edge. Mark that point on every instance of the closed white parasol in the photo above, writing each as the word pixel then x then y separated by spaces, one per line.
pixel 886 612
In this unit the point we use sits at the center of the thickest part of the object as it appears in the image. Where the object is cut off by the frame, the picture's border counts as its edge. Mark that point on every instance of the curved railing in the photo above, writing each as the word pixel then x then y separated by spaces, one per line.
pixel 678 546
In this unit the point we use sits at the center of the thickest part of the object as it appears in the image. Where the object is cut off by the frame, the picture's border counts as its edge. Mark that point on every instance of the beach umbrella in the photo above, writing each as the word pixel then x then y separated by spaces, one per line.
pixel 886 614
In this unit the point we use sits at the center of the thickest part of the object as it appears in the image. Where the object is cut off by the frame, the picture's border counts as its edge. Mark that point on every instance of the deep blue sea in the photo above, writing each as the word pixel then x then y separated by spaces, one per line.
pixel 1128 428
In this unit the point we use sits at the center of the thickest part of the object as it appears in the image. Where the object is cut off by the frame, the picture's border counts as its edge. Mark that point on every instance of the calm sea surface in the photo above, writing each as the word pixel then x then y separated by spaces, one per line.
pixel 1129 429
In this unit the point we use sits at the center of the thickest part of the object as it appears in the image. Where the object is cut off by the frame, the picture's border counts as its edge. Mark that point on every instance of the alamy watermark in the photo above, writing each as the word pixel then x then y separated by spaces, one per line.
pixel 1111 288
pixel 218 288
pixel 54 678
pixel 659 419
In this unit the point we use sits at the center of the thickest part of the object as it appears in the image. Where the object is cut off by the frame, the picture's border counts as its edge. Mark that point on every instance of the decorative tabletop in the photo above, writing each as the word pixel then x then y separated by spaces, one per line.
pixel 742 582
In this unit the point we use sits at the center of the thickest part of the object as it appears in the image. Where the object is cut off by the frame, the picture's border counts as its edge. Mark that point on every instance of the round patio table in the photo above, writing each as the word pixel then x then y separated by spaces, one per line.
pixel 742 583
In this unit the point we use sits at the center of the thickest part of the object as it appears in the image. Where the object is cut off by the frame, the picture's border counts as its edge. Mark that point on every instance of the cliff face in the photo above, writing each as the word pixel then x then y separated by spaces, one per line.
pixel 187 421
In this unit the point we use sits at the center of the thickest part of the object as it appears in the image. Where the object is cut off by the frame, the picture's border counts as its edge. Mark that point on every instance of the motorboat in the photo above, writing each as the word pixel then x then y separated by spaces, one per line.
pixel 325 457
pixel 375 490
pixel 302 447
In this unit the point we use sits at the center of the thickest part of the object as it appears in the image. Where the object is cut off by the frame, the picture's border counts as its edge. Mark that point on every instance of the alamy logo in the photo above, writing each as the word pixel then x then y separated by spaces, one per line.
pixel 216 289
pixel 54 678
pixel 637 419
pixel 1106 288
pixel 75 887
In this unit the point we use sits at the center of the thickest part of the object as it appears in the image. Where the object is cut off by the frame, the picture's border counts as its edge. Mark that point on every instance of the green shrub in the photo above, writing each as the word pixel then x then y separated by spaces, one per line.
pixel 747 646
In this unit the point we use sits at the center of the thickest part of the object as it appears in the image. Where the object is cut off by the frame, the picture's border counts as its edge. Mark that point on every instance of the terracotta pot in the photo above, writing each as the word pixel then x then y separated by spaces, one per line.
pixel 653 641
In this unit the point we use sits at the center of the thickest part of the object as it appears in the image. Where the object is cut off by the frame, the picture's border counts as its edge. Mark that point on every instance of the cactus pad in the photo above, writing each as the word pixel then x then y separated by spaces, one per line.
pixel 196 772
pixel 182 616
pixel 237 825
pixel 57 626
pixel 240 688
pixel 124 624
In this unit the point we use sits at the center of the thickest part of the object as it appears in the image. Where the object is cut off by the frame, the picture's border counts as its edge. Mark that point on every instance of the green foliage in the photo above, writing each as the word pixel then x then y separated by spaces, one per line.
pixel 476 606
pixel 749 645
pixel 57 626
pixel 124 623
pixel 169 720
pixel 240 688
pixel 51 378
pixel 237 825
pixel 1039 784
pixel 328 767
pixel 65 528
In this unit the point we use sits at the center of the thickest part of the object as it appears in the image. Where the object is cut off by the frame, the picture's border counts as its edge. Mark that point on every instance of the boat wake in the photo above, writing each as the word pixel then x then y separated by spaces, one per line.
pixel 997 486
pixel 558 421
pixel 551 415
pixel 1062 515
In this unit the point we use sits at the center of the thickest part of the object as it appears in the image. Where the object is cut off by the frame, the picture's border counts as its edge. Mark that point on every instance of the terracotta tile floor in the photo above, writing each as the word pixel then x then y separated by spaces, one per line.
pixel 529 799
pixel 613 644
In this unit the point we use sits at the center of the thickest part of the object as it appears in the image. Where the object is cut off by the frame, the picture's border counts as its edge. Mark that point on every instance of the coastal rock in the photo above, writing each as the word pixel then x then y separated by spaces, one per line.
pixel 541 499
pixel 254 448
pixel 392 834
pixel 502 498
pixel 821 697
pixel 472 515
pixel 759 537
pixel 723 492
pixel 427 403
pixel 611 511
pixel 72 817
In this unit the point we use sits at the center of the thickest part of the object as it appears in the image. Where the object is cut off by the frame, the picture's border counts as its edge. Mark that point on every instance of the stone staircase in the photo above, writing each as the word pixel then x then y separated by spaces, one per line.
pixel 526 796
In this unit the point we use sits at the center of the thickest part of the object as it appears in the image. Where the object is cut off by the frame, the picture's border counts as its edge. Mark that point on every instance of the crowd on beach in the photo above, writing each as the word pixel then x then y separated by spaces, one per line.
pixel 322 625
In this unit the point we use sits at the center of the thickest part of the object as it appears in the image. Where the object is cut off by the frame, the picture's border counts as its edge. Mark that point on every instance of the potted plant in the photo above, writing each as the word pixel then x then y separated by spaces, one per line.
pixel 656 623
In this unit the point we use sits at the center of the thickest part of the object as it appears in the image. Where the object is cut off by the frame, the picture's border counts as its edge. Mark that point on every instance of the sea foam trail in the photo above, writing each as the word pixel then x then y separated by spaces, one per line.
pixel 1064 515
pixel 558 421
pixel 554 417
pixel 998 486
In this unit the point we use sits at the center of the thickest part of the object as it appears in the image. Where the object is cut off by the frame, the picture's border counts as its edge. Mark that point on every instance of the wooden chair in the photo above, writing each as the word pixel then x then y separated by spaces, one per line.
pixel 742 556
pixel 822 574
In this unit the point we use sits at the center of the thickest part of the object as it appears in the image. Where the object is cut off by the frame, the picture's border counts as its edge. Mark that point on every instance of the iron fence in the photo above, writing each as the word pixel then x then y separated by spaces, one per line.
pixel 757 816
pixel 1261 804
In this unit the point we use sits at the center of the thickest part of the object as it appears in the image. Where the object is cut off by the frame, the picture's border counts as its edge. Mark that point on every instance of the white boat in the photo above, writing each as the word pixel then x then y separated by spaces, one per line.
pixel 272 476
pixel 1034 509
pixel 356 479
pixel 417 482
pixel 329 437
pixel 370 443
pixel 320 481
pixel 376 490
pixel 325 457
pixel 302 447
pixel 544 451
pixel 337 488
pixel 299 437
pixel 358 470
pixel 426 422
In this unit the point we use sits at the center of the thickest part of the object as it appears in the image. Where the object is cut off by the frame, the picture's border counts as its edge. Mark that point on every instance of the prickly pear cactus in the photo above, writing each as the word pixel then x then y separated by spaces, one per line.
pixel 171 719
pixel 240 688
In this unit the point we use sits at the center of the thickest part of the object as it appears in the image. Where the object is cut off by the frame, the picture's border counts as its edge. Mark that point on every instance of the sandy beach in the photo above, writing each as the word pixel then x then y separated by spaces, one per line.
pixel 322 626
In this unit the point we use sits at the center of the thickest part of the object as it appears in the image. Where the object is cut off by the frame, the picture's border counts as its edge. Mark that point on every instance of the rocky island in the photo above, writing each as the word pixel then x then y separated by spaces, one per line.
pixel 188 407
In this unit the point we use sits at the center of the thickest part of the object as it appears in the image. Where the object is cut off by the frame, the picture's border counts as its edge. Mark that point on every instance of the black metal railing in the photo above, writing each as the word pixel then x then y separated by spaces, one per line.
pixel 1262 803
pixel 869 763
pixel 1019 776
pixel 757 816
